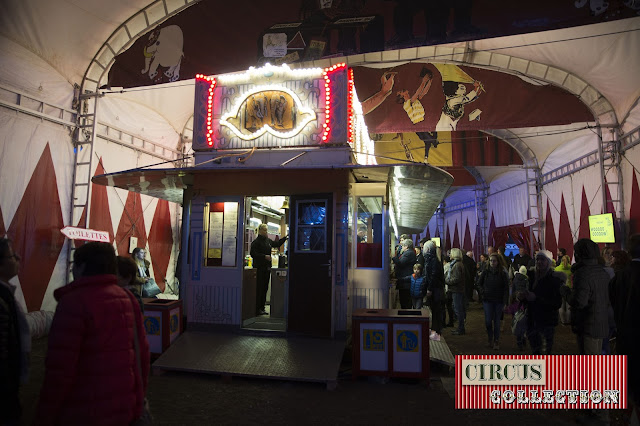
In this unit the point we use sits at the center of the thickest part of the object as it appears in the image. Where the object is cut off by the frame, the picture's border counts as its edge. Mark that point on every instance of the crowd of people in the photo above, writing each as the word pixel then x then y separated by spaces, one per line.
pixel 597 295
pixel 97 363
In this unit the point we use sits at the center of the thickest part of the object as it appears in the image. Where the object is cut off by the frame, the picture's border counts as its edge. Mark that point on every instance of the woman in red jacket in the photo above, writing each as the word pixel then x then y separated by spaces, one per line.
pixel 92 373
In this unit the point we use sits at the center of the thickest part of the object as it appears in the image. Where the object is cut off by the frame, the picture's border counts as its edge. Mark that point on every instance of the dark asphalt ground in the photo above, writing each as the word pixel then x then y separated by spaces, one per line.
pixel 193 399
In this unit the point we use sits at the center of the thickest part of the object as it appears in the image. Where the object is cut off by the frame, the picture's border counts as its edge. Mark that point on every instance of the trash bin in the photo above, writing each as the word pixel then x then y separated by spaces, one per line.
pixel 391 343
pixel 162 322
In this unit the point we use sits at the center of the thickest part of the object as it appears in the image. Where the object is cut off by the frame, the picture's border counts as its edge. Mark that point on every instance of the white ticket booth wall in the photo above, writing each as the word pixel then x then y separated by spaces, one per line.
pixel 214 293
pixel 369 270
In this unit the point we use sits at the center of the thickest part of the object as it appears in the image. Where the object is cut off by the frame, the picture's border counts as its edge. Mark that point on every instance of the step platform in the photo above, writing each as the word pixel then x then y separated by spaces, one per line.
pixel 269 357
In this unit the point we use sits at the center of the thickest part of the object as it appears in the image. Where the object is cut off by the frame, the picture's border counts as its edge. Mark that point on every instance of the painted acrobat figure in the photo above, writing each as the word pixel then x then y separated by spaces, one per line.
pixel 412 105
pixel 456 97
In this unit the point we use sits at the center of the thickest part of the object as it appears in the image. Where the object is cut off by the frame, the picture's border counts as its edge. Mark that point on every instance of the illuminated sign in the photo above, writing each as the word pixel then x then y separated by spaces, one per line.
pixel 601 228
pixel 276 106
pixel 271 109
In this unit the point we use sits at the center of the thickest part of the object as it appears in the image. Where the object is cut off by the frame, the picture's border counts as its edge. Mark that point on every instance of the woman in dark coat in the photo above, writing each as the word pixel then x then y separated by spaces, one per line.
pixel 434 275
pixel 495 285
pixel 543 301
pixel 404 262
pixel 455 280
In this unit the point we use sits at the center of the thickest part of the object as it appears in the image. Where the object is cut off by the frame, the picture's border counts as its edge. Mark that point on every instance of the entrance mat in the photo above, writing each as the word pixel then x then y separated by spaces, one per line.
pixel 228 354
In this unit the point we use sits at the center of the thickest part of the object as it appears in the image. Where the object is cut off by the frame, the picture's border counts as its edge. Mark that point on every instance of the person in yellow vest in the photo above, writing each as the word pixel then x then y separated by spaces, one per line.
pixel 412 105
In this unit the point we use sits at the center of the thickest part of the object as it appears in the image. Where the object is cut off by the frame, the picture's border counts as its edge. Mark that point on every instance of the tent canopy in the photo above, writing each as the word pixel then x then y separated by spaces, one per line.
pixel 597 63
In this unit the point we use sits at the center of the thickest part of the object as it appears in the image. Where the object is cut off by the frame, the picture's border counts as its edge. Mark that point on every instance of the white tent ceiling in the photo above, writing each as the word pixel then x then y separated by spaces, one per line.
pixel 601 62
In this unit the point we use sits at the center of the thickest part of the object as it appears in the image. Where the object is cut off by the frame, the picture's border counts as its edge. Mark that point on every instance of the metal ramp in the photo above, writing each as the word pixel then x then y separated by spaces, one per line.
pixel 439 352
pixel 227 354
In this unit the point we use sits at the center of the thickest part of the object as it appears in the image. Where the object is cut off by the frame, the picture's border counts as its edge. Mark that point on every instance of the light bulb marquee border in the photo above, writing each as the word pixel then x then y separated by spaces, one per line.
pixel 327 74
pixel 267 72
pixel 212 85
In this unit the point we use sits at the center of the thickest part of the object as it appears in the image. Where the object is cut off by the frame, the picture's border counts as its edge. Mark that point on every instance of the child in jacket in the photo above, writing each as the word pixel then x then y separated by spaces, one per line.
pixel 417 286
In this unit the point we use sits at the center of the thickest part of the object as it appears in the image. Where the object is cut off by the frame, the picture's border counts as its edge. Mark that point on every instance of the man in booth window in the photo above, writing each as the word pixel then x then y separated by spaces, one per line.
pixel 261 254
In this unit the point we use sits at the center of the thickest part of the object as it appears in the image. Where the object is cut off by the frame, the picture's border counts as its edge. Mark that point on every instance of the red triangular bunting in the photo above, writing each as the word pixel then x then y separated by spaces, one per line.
pixel 456 237
pixel 131 225
pixel 467 245
pixel 565 239
pixel 447 238
pixel 3 231
pixel 550 242
pixel 492 227
pixel 634 211
pixel 583 231
pixel 35 231
pixel 161 242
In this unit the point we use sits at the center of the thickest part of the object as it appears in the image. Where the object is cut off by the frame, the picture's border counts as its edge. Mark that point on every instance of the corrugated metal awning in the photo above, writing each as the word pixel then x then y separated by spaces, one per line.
pixel 415 189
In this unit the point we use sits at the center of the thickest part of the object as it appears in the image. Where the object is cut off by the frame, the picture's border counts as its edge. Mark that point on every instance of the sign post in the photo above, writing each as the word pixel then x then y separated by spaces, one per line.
pixel 85 234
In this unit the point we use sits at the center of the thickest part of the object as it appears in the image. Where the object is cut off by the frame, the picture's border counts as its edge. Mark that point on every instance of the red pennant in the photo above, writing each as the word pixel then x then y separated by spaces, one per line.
pixel 550 242
pixel 565 238
pixel 456 237
pixel 467 244
pixel 131 225
pixel 492 227
pixel 583 231
pixel 634 211
pixel 161 241
pixel 35 231
pixel 3 231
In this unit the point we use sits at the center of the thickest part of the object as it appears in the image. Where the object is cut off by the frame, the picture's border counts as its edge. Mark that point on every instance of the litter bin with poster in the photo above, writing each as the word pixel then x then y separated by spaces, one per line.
pixel 162 322
pixel 391 343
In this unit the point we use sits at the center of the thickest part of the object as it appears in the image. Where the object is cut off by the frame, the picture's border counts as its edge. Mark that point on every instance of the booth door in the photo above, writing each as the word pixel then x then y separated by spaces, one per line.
pixel 310 269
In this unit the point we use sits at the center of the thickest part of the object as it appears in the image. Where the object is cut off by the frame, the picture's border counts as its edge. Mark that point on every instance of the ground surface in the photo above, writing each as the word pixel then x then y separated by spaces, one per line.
pixel 191 399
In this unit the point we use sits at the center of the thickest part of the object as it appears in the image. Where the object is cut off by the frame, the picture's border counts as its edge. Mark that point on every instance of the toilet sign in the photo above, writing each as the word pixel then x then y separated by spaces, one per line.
pixel 85 234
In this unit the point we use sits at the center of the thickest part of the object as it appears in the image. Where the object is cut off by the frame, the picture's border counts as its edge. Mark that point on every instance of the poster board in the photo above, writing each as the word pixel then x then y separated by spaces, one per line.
pixel 222 229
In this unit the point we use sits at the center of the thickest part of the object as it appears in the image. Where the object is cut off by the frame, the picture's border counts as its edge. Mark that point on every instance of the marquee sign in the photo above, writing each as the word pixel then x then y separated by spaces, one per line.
pixel 275 110
pixel 274 107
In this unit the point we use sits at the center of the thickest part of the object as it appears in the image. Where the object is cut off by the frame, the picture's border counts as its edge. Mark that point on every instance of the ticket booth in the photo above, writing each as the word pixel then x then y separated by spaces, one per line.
pixel 298 134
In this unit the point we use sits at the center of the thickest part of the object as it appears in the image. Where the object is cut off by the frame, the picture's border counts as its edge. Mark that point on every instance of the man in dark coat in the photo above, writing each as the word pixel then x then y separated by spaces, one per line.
pixel 404 262
pixel 589 298
pixel 521 259
pixel 261 254
pixel 434 276
pixel 625 300
pixel 543 301
pixel 470 269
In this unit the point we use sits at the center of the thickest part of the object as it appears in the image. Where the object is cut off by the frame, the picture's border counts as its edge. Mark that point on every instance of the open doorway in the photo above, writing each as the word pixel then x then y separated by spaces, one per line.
pixel 265 281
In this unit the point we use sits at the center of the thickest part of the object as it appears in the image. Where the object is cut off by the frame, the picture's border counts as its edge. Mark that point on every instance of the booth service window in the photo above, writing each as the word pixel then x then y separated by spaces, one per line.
pixel 221 228
pixel 369 232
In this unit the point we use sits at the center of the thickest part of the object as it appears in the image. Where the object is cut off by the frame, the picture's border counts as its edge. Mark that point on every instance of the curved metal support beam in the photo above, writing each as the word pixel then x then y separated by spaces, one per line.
pixel 478 177
pixel 529 159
